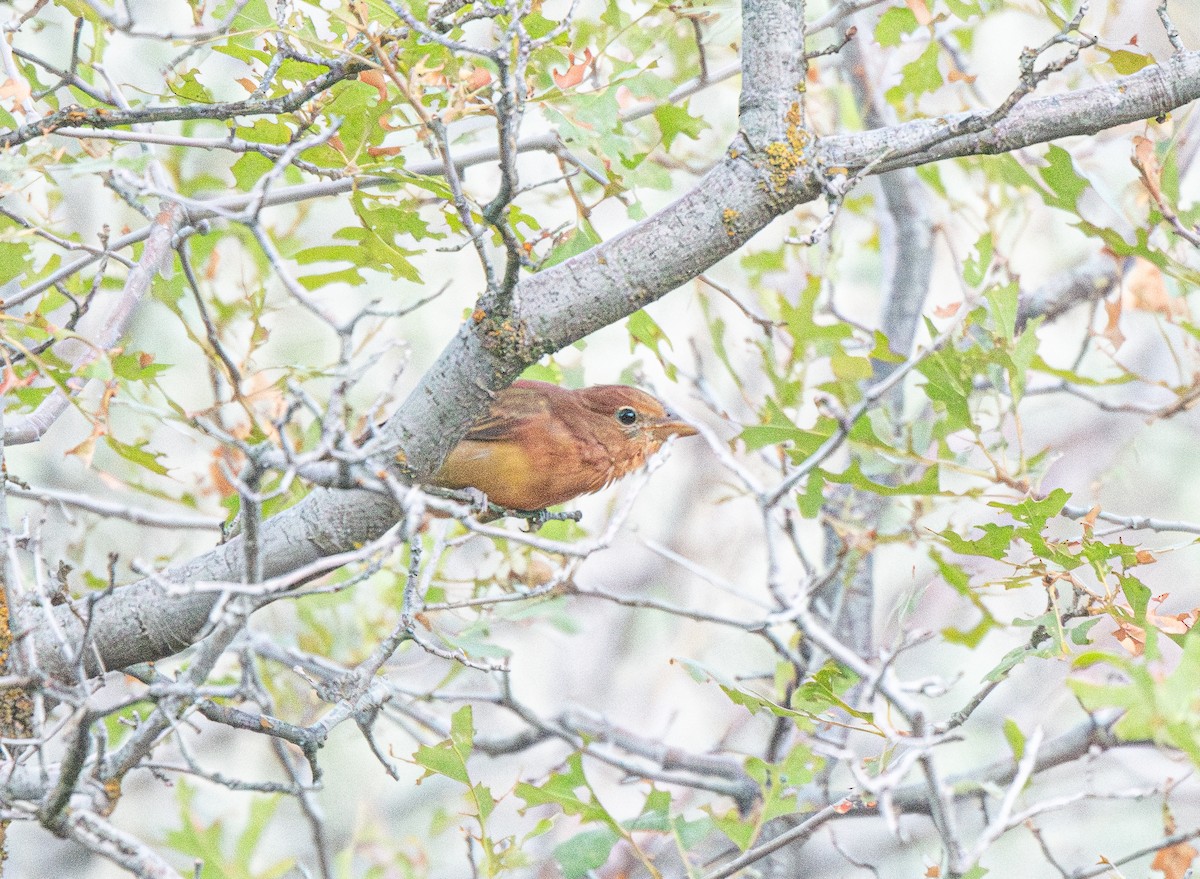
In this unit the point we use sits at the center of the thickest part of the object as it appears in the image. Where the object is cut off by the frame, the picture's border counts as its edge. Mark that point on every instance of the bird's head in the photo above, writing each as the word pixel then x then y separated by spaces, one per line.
pixel 640 417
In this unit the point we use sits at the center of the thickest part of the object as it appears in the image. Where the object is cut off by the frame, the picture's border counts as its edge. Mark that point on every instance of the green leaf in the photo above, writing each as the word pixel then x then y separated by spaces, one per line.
pixel 805 330
pixel 1036 512
pixel 963 9
pixel 825 690
pixel 187 87
pixel 367 249
pixel 994 544
pixel 585 851
pixel 1079 632
pixel 760 262
pixel 804 441
pixel 1077 378
pixel 1015 738
pixel 1002 304
pixel 560 790
pixel 206 843
pixel 137 454
pixel 441 760
pixel 485 803
pixel 849 368
pixel 265 131
pixel 812 499
pixel 741 831
pixel 894 24
pixel 976 265
pixel 449 758
pixel 927 484
pixel 1138 596
pixel 1125 62
pixel 1066 184
pixel 958 580
pixel 674 120
pixel 692 833
pixel 249 169
pixel 134 367
pixel 580 240
pixel 950 385
pixel 262 809
pixel 919 76
pixel 644 330
pixel 1156 708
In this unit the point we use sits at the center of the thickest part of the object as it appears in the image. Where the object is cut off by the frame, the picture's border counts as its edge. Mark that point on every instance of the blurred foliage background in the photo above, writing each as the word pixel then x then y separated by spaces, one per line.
pixel 659 687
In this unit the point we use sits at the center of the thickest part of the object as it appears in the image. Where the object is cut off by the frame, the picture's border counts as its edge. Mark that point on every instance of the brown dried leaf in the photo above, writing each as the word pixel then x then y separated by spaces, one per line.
pixel 1174 860
pixel 1112 330
pixel 233 461
pixel 10 380
pixel 377 80
pixel 1131 637
pixel 575 73
pixel 87 449
pixel 1146 290
pixel 212 265
pixel 17 89
pixel 477 79
pixel 920 11
pixel 1147 164
pixel 1172 625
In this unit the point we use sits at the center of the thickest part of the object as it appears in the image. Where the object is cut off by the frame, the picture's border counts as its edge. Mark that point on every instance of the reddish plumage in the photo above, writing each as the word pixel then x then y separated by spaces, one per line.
pixel 541 445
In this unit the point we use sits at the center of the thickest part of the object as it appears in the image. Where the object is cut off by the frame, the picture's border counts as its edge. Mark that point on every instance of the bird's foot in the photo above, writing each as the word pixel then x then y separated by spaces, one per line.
pixel 478 501
pixel 535 519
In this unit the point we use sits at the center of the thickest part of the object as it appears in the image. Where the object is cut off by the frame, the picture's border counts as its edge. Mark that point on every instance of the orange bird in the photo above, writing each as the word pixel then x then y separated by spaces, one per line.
pixel 541 445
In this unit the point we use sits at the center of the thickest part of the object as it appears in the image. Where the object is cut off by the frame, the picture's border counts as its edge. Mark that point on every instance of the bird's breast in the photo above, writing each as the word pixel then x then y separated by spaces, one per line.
pixel 525 476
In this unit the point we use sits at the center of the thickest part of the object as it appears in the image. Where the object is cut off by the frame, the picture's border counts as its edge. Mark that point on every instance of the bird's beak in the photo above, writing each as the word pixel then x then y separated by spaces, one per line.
pixel 672 425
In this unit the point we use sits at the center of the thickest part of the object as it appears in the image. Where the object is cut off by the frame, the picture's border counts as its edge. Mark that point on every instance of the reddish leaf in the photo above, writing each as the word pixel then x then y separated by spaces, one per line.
pixel 1174 860
pixel 477 79
pixel 574 74
pixel 1112 330
pixel 920 12
pixel 377 80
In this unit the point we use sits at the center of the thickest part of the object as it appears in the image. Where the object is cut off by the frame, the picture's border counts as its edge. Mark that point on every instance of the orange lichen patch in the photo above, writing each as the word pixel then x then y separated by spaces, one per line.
pixel 785 156
pixel 729 219
pixel 16 706
pixel 112 794
pixel 783 161
pixel 5 632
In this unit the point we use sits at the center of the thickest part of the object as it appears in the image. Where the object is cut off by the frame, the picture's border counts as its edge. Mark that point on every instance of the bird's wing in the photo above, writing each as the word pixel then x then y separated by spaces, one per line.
pixel 509 412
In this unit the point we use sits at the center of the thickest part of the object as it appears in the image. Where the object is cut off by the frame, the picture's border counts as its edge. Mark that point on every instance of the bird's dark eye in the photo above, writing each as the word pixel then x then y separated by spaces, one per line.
pixel 627 415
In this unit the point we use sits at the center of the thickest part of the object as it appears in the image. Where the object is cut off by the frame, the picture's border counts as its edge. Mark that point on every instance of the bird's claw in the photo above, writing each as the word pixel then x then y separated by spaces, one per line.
pixel 478 501
pixel 535 519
